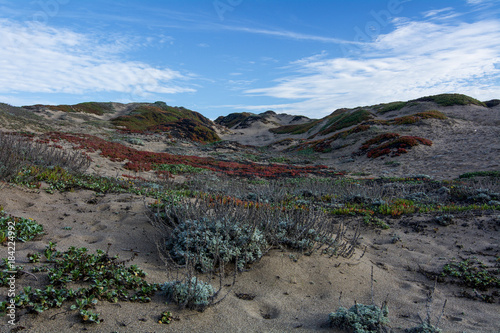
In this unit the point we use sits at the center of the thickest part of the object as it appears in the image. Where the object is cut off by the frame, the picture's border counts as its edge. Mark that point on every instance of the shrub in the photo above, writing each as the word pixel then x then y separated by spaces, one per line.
pixel 492 174
pixel 394 106
pixel 176 169
pixel 450 100
pixel 240 232
pixel 193 294
pixel 17 152
pixel 207 243
pixel 360 318
pixel 392 144
pixel 343 120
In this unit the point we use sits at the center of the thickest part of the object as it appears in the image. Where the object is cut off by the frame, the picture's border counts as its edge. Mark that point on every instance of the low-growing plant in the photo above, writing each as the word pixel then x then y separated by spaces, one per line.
pixel 451 99
pixel 192 294
pixel 375 221
pixel 223 241
pixel 468 175
pixel 394 106
pixel 100 277
pixel 361 318
pixel 473 273
pixel 176 169
pixel 165 317
pixel 18 228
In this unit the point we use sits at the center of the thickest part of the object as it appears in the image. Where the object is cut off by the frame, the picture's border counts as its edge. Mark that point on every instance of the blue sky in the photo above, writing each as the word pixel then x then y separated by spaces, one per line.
pixel 222 56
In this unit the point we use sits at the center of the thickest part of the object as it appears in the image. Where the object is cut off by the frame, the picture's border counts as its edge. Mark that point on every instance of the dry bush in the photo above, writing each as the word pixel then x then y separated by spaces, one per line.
pixel 13 155
pixel 17 152
pixel 206 237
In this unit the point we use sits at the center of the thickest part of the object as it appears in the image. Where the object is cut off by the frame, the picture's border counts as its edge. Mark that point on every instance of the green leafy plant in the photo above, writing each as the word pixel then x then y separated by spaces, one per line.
pixel 18 228
pixel 165 317
pixel 100 277
pixel 473 273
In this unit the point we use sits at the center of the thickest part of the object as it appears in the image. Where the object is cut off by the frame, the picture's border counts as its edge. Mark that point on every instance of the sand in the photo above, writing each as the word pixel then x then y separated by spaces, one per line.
pixel 288 295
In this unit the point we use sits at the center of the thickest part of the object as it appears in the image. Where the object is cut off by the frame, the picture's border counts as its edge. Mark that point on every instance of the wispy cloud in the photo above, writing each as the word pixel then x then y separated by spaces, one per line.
pixel 435 12
pixel 40 59
pixel 416 59
pixel 287 34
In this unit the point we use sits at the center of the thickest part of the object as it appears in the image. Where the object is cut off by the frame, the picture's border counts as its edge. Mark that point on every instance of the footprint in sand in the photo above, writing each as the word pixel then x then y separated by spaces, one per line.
pixel 98 227
pixel 262 310
pixel 93 240
pixel 269 312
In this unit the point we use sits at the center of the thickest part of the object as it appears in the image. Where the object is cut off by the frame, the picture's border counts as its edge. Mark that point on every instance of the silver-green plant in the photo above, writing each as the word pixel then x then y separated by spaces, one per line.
pixel 361 318
pixel 207 243
pixel 193 293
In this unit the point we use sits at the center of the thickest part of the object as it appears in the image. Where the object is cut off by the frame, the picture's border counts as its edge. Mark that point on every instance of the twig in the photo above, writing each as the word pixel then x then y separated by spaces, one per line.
pixel 31 274
pixel 371 283
pixel 442 313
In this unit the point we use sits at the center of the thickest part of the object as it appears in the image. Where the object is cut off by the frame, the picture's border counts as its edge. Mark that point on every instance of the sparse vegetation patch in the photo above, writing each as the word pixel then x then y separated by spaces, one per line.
pixel 391 144
pixel 451 99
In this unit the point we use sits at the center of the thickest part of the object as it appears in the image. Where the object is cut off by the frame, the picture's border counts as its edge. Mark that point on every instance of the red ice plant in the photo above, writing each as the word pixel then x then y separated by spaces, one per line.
pixel 137 160
pixel 392 144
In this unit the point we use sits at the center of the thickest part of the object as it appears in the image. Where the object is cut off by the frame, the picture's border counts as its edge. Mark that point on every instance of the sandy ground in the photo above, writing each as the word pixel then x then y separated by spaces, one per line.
pixel 289 295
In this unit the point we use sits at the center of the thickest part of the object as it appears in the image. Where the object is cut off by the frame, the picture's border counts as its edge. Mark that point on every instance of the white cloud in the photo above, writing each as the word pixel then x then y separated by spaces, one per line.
pixel 289 35
pixel 435 12
pixel 416 59
pixel 40 59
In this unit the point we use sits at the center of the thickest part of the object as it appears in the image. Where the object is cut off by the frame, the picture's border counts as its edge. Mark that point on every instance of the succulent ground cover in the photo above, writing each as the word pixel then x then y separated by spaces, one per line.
pixel 391 144
pixel 104 278
pixel 138 160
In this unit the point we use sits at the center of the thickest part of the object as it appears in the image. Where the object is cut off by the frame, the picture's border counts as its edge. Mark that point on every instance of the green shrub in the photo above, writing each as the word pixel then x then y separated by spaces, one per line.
pixel 176 169
pixel 343 120
pixel 206 243
pixel 451 99
pixel 467 175
pixel 394 106
pixel 360 318
pixel 193 294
